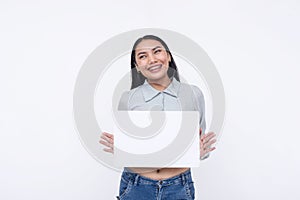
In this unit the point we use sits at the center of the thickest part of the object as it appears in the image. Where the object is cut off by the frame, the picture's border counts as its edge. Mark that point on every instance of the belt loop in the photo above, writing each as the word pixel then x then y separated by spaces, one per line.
pixel 136 179
pixel 183 179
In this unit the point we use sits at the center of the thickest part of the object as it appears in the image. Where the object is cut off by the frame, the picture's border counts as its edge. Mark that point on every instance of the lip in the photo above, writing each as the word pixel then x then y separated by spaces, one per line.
pixel 154 68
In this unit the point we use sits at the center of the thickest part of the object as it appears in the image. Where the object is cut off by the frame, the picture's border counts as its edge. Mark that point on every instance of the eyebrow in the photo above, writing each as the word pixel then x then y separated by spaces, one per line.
pixel 152 50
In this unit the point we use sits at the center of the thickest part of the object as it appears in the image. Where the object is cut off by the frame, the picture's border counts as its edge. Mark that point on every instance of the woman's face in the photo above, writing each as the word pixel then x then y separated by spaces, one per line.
pixel 152 60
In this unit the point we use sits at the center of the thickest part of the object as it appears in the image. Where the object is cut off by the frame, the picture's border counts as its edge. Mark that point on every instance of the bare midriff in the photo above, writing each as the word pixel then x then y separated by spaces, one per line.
pixel 159 173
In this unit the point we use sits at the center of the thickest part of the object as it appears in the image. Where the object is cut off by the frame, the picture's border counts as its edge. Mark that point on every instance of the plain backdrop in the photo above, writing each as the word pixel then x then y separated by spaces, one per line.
pixel 255 46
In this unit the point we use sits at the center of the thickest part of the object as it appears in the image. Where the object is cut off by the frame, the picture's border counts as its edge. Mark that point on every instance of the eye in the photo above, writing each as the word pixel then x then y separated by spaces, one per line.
pixel 157 51
pixel 142 56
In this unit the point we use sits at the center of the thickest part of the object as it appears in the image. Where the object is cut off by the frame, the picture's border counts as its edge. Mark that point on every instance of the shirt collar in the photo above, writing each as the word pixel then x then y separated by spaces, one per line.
pixel 149 92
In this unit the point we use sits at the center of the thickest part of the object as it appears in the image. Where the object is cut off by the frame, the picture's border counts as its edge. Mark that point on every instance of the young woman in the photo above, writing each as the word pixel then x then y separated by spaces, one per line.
pixel 156 86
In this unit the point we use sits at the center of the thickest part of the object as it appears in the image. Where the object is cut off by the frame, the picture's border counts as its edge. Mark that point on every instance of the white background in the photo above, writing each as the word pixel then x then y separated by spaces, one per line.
pixel 255 46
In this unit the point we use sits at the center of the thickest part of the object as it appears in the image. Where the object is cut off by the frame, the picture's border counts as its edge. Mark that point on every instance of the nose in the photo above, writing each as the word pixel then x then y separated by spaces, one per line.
pixel 152 58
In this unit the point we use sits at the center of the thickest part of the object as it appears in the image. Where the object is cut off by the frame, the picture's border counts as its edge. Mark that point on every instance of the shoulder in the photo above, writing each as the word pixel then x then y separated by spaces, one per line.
pixel 196 91
pixel 127 97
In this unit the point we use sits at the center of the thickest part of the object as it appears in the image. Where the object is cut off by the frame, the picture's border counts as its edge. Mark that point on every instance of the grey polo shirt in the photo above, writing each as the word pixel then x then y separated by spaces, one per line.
pixel 176 97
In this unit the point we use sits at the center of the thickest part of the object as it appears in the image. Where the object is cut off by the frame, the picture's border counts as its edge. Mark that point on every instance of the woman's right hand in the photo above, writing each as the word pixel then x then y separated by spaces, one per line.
pixel 107 140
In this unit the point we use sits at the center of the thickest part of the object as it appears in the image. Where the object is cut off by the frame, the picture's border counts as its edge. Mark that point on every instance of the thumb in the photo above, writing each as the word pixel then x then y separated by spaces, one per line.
pixel 200 131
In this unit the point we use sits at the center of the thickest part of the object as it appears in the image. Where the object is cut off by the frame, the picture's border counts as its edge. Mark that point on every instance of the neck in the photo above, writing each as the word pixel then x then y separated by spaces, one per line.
pixel 160 84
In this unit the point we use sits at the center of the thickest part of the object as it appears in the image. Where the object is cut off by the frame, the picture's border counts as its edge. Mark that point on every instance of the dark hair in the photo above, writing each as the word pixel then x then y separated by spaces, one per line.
pixel 138 79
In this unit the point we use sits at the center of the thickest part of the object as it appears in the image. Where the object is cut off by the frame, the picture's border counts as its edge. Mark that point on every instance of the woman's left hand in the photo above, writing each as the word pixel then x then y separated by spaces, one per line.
pixel 206 140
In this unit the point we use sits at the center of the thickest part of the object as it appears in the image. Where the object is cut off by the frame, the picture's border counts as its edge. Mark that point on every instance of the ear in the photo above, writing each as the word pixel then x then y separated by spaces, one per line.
pixel 137 68
pixel 169 57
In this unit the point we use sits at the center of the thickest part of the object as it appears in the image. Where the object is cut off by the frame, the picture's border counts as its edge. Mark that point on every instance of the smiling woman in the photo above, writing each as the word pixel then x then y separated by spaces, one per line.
pixel 152 52
pixel 156 84
pixel 152 61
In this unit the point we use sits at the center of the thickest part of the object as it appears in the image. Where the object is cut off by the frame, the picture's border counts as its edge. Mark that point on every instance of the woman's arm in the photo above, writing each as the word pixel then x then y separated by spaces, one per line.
pixel 206 140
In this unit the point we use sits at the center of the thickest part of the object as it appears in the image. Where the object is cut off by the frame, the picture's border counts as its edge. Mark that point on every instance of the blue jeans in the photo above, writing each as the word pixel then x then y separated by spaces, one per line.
pixel 136 187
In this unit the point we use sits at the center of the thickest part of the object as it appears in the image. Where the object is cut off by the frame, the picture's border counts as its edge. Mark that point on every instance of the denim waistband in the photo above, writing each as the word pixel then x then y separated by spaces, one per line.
pixel 138 179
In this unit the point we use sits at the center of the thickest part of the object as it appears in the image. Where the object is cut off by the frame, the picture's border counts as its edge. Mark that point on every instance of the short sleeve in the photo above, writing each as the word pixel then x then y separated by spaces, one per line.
pixel 123 103
pixel 200 106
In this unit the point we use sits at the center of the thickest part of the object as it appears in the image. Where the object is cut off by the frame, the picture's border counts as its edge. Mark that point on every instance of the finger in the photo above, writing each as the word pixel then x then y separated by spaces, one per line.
pixel 108 134
pixel 107 139
pixel 210 150
pixel 106 144
pixel 108 150
pixel 209 134
pixel 206 145
pixel 208 137
pixel 206 151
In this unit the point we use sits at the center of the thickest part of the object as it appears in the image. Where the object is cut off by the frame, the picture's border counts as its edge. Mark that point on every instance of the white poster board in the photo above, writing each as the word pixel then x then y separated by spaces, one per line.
pixel 177 129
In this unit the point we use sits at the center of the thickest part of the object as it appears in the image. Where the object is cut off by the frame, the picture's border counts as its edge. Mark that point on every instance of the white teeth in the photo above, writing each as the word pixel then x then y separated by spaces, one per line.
pixel 154 67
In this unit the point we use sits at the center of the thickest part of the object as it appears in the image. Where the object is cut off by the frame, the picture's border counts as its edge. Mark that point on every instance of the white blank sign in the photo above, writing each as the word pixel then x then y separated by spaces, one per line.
pixel 187 156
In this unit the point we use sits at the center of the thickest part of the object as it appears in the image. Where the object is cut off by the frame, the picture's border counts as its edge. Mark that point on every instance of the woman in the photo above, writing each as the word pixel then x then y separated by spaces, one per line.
pixel 156 86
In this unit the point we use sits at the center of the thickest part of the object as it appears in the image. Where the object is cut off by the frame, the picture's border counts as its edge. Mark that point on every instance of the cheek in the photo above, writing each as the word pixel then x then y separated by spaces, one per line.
pixel 141 63
pixel 164 58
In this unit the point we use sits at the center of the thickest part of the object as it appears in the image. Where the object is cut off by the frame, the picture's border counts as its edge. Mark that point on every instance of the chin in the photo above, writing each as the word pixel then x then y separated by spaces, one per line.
pixel 157 76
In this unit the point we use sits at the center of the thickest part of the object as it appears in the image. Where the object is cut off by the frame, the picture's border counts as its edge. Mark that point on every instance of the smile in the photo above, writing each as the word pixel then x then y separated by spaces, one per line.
pixel 155 68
